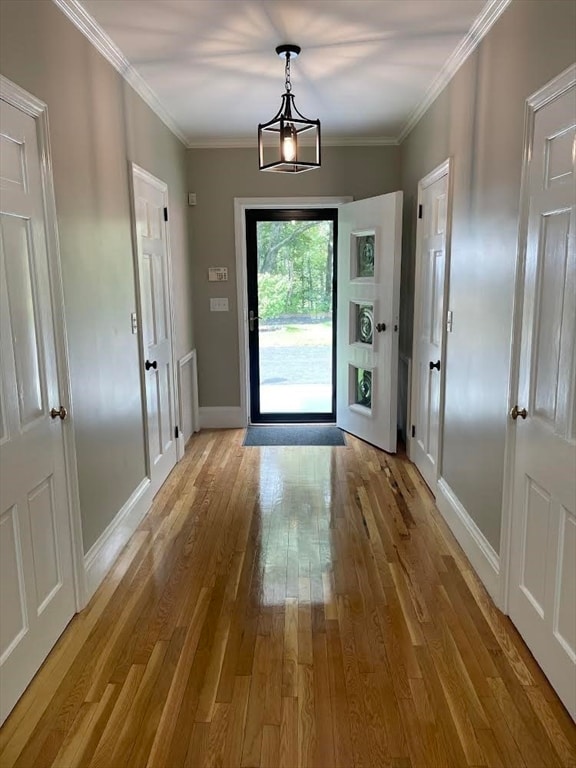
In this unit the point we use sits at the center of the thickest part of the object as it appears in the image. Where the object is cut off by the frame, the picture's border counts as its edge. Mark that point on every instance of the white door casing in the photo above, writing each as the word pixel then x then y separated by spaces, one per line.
pixel 429 324
pixel 156 323
pixel 369 255
pixel 542 545
pixel 39 535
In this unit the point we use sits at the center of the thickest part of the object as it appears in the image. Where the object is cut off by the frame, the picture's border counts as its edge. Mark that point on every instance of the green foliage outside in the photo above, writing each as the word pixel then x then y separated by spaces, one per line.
pixel 294 268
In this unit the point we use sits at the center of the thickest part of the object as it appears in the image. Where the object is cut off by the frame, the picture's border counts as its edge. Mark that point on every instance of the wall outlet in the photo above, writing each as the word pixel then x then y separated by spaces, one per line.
pixel 191 198
pixel 218 305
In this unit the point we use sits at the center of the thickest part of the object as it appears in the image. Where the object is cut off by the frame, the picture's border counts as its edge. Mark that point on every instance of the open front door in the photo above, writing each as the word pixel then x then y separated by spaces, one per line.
pixel 369 252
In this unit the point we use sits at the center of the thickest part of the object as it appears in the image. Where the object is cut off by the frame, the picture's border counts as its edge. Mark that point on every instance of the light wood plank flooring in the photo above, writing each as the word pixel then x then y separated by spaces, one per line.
pixel 290 607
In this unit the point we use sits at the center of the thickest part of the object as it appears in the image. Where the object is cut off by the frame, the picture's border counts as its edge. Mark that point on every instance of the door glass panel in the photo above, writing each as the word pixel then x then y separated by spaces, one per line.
pixel 364 324
pixel 364 255
pixel 361 387
pixel 295 326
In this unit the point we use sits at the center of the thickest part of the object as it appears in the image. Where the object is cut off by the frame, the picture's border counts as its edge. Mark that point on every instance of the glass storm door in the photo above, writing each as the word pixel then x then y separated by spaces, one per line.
pixel 291 305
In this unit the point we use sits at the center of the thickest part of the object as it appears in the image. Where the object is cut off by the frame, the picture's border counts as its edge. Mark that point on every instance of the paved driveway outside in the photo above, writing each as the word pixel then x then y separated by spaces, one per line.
pixel 296 365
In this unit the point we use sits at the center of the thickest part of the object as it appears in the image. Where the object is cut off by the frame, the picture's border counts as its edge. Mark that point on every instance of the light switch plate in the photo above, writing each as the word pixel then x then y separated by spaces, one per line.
pixel 218 305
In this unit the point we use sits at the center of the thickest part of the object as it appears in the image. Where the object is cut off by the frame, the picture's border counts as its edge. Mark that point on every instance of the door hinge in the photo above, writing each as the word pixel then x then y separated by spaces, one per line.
pixel 420 211
pixel 176 432
pixel 165 214
pixel 413 430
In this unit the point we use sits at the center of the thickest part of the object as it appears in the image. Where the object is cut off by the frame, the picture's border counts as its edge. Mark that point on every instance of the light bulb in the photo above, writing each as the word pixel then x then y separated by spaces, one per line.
pixel 289 149
pixel 289 143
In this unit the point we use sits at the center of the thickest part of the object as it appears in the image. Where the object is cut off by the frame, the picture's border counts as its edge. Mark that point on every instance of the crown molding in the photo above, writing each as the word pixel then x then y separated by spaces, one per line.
pixel 359 141
pixel 327 141
pixel 485 21
pixel 83 21
pixel 244 142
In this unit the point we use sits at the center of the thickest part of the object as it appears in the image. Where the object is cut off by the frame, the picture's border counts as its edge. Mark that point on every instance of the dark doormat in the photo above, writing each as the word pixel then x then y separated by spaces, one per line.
pixel 294 435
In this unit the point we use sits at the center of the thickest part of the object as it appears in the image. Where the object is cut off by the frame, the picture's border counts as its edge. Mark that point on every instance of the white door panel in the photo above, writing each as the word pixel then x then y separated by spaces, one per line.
pixel 543 551
pixel 428 325
pixel 150 200
pixel 12 589
pixel 369 252
pixel 36 581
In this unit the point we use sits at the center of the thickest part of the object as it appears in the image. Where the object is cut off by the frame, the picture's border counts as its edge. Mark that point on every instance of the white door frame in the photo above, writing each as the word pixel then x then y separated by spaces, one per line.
pixel 30 105
pixel 444 169
pixel 535 102
pixel 241 205
pixel 137 171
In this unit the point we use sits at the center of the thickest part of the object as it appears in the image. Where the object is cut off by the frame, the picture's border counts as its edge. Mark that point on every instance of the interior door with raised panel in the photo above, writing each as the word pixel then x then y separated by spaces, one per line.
pixel 150 201
pixel 542 593
pixel 429 325
pixel 36 580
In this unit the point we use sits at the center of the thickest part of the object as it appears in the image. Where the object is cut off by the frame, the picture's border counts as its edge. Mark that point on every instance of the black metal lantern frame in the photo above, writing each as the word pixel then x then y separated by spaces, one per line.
pixel 287 127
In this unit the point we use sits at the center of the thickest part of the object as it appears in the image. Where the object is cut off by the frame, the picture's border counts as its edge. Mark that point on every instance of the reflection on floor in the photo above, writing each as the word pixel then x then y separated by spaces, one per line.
pixel 284 608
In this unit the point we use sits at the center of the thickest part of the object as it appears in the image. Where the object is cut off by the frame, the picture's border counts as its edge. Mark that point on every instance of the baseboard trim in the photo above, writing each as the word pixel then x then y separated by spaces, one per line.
pixel 102 554
pixel 228 417
pixel 476 546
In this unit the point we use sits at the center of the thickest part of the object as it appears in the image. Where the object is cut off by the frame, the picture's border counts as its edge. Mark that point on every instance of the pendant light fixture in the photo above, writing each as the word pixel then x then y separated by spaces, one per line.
pixel 280 145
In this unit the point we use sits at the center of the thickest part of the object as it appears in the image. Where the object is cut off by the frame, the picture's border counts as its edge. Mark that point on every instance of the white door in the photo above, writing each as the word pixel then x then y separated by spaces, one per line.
pixel 428 360
pixel 36 580
pixel 151 201
pixel 542 598
pixel 369 253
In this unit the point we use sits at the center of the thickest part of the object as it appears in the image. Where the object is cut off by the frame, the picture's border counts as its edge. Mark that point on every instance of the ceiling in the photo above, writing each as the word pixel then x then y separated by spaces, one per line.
pixel 367 68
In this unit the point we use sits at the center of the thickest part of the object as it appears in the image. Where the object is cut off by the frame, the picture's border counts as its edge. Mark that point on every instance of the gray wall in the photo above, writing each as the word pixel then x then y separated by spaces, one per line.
pixel 478 122
pixel 218 176
pixel 97 126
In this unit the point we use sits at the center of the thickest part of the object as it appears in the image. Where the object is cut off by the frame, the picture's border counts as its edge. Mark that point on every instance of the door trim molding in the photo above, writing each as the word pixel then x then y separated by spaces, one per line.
pixel 556 87
pixel 241 205
pixel 26 102
pixel 137 171
pixel 444 169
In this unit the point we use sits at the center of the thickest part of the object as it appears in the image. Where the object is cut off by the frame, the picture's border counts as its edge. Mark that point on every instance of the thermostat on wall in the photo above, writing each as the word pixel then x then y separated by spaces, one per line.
pixel 217 274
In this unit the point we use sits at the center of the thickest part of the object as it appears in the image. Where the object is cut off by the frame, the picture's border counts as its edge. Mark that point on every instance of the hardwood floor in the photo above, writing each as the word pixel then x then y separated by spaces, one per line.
pixel 290 607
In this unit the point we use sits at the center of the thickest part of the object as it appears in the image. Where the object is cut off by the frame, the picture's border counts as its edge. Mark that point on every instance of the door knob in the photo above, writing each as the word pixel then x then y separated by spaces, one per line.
pixel 62 412
pixel 251 318
pixel 434 365
pixel 380 327
pixel 149 365
pixel 515 412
